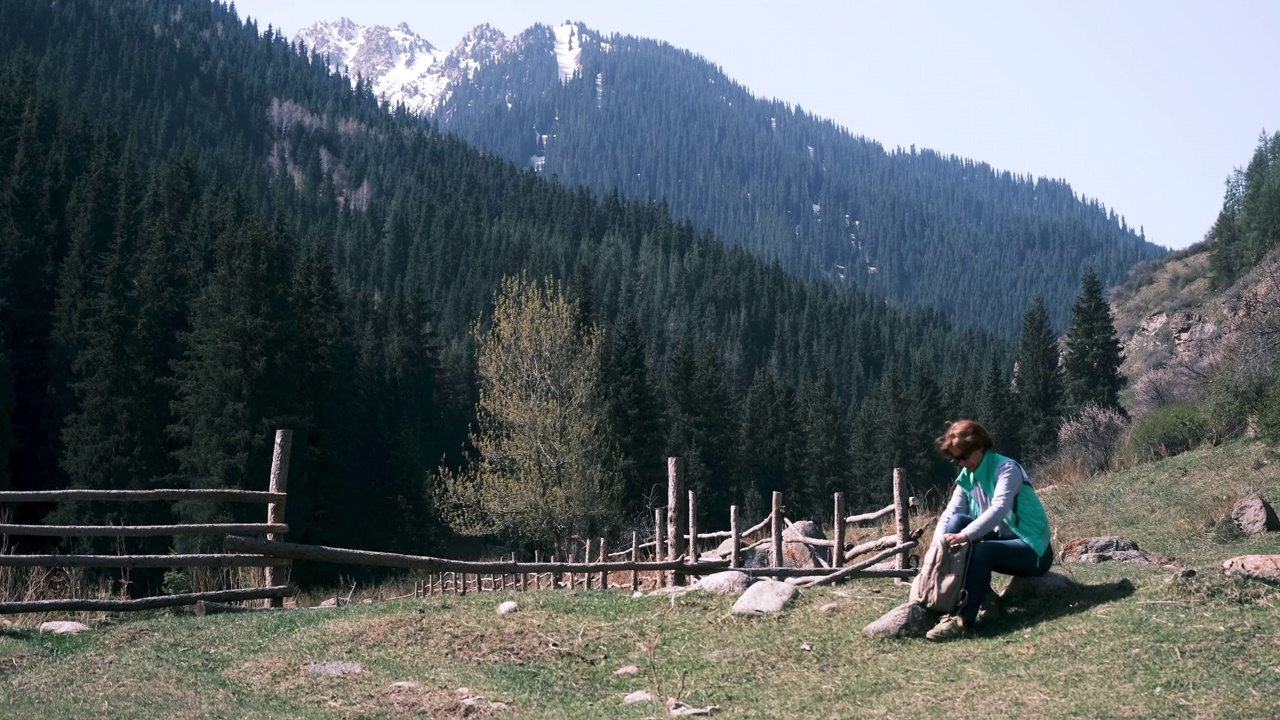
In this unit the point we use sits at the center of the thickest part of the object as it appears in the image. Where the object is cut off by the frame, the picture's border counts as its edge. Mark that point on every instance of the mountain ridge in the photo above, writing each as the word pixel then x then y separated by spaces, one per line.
pixel 664 124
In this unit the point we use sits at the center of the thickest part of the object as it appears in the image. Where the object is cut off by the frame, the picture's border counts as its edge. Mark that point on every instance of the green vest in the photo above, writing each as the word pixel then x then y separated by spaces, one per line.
pixel 1028 519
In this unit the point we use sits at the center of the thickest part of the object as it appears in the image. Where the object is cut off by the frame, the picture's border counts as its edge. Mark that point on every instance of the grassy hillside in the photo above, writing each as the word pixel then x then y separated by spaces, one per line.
pixel 1206 646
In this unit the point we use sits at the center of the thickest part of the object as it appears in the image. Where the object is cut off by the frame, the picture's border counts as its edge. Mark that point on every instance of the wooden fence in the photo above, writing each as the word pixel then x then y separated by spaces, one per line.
pixel 274 589
pixel 670 559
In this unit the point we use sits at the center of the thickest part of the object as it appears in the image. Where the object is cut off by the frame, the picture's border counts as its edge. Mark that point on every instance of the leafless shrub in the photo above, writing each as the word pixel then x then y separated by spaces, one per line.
pixel 1089 440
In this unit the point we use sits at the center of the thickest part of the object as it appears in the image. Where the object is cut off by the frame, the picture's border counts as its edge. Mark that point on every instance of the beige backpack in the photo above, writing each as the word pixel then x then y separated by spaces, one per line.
pixel 939 586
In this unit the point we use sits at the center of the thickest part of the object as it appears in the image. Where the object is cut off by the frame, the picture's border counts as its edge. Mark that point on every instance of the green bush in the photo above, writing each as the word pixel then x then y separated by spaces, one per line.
pixel 1269 415
pixel 1166 432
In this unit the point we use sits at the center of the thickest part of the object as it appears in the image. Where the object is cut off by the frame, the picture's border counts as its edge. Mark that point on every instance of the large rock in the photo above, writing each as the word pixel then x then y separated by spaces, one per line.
pixel 763 598
pixel 63 627
pixel 1037 587
pixel 906 620
pixel 795 554
pixel 1258 567
pixel 1108 548
pixel 1253 515
pixel 729 582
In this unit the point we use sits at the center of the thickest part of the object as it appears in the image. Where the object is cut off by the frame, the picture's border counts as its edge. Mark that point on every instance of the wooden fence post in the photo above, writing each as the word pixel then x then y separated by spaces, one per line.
pixel 693 529
pixel 775 530
pixel 837 533
pixel 586 560
pixel 900 517
pixel 635 557
pixel 275 510
pixel 604 574
pixel 735 538
pixel 537 577
pixel 675 505
pixel 657 544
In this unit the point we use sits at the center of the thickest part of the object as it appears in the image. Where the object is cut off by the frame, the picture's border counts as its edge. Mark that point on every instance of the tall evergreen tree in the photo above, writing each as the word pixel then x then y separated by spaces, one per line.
pixel 768 449
pixel 824 461
pixel 1091 363
pixel 7 440
pixel 1038 383
pixel 634 418
pixel 231 381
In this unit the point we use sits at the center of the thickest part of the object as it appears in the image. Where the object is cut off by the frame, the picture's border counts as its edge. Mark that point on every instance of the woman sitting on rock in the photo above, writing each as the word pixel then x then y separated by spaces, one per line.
pixel 995 508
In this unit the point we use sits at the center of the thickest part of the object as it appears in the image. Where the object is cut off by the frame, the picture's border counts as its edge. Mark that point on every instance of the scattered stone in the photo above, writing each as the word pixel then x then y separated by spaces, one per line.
pixel 676 708
pixel 6 624
pixel 637 594
pixel 806 647
pixel 729 582
pixel 333 602
pixel 332 667
pixel 1103 549
pixel 828 608
pixel 1258 567
pixel 1039 587
pixel 405 685
pixel 627 670
pixel 906 620
pixel 763 598
pixel 637 697
pixel 508 607
pixel 1253 515
pixel 63 627
pixel 367 601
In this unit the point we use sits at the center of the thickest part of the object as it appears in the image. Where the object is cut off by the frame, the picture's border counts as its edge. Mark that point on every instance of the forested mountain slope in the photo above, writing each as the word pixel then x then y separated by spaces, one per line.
pixel 659 123
pixel 205 236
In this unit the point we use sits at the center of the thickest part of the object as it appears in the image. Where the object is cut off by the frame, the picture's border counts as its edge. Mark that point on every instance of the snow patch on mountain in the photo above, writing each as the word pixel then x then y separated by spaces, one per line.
pixel 568 52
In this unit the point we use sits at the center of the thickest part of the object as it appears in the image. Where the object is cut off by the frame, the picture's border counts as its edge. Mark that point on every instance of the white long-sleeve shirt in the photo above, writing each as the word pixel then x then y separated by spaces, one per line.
pixel 993 512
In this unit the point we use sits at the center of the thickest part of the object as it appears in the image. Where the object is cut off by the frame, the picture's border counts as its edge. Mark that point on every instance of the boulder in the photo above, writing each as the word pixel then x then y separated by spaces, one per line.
pixel 763 598
pixel 906 620
pixel 1107 548
pixel 63 627
pixel 333 602
pixel 1040 587
pixel 729 582
pixel 1258 567
pixel 5 624
pixel 794 553
pixel 1253 515
pixel 508 607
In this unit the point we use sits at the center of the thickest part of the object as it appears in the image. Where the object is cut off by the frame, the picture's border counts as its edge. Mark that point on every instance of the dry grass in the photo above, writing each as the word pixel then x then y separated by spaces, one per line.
pixel 1199 647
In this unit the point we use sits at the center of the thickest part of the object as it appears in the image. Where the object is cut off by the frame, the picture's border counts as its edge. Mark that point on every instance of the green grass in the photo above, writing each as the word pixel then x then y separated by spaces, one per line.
pixel 1207 646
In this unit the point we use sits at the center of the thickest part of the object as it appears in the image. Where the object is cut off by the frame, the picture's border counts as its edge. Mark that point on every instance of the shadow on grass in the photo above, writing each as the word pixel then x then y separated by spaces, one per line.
pixel 1020 613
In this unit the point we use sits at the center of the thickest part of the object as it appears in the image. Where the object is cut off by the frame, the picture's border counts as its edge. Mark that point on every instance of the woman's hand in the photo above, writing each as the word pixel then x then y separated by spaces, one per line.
pixel 954 540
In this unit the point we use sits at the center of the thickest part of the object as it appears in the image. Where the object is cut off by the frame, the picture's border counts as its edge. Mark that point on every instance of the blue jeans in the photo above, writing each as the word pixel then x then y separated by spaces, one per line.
pixel 991 554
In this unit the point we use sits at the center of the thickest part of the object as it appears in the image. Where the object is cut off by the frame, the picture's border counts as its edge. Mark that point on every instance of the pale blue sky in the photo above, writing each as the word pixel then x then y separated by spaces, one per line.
pixel 1144 105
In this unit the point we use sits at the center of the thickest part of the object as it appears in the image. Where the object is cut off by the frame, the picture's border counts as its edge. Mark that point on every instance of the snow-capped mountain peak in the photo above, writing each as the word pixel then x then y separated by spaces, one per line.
pixel 403 67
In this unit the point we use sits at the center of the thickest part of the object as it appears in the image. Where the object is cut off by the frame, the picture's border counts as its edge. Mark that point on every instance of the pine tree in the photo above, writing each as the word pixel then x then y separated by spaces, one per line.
pixel 7 440
pixel 231 382
pixel 1038 383
pixel 1091 363
pixel 634 418
pixel 824 465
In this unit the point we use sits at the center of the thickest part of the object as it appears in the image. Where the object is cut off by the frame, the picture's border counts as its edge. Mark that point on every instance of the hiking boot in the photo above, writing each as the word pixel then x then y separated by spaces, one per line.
pixel 949 628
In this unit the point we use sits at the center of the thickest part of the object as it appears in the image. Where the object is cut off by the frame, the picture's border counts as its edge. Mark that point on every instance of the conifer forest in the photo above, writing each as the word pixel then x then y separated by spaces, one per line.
pixel 205 236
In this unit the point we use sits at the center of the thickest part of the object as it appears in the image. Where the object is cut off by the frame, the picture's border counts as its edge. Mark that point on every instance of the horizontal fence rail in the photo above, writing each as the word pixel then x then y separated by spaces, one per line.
pixel 159 601
pixel 139 561
pixel 141 530
pixel 243 496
